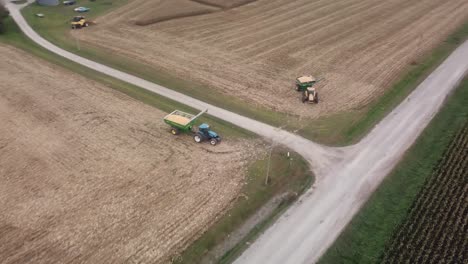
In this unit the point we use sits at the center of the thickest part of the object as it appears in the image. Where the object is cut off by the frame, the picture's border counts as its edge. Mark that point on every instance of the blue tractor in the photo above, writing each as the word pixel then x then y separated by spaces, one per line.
pixel 205 134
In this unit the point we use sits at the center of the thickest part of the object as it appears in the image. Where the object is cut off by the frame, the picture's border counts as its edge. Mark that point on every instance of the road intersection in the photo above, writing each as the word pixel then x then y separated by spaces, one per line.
pixel 346 177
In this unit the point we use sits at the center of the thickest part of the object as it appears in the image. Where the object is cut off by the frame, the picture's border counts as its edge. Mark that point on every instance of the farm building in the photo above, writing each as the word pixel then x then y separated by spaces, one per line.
pixel 48 2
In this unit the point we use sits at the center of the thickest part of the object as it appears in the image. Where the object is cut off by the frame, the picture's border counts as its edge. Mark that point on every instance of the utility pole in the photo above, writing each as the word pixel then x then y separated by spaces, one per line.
pixel 77 41
pixel 267 178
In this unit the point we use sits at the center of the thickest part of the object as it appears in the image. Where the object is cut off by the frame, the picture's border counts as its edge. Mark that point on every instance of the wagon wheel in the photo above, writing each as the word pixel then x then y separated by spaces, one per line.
pixel 174 131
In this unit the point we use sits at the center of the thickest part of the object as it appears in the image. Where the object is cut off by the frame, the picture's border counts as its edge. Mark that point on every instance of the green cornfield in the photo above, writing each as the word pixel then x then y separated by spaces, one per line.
pixel 436 228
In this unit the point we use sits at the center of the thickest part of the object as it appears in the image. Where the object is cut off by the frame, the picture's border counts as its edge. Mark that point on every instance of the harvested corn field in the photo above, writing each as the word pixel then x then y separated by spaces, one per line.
pixel 145 13
pixel 224 3
pixel 255 51
pixel 88 174
pixel 168 10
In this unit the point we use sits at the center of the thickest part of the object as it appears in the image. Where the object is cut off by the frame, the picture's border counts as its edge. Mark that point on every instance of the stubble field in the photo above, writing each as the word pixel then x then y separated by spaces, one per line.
pixel 255 51
pixel 88 174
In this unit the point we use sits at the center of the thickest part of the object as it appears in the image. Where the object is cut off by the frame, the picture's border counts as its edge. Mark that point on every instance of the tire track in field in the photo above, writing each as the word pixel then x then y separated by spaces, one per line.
pixel 294 33
pixel 259 25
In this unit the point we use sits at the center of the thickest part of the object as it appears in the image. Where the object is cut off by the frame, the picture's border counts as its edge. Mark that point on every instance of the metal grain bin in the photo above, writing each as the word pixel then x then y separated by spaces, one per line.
pixel 48 2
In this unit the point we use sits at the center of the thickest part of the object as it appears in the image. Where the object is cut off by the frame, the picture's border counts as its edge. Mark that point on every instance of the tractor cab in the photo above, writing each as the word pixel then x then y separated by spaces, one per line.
pixel 310 95
pixel 304 82
pixel 77 18
pixel 205 133
pixel 205 128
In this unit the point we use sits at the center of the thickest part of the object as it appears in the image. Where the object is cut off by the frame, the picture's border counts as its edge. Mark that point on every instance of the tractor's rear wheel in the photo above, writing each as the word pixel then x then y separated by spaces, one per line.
pixel 213 142
pixel 174 131
pixel 197 138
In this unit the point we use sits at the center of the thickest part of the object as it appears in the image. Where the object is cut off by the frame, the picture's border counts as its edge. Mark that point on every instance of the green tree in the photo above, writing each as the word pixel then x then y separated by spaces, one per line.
pixel 3 15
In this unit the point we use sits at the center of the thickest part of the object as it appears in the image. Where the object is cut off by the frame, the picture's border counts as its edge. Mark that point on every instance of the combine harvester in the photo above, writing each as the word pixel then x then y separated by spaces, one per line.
pixel 79 22
pixel 184 122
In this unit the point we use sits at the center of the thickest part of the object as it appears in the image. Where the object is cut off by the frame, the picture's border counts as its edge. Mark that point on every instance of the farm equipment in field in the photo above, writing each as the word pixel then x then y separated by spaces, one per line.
pixel 184 122
pixel 305 85
pixel 204 133
pixel 69 2
pixel 79 22
pixel 304 82
pixel 310 95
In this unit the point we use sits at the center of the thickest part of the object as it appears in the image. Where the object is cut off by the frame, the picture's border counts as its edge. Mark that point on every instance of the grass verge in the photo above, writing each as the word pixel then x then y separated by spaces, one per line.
pixel 339 129
pixel 287 175
pixel 365 238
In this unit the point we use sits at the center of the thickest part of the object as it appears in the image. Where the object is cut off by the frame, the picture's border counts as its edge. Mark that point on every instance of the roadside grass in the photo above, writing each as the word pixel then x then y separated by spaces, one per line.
pixel 338 129
pixel 286 175
pixel 364 239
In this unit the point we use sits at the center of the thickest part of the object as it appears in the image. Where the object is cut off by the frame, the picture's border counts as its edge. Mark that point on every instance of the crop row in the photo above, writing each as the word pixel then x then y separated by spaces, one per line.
pixel 436 228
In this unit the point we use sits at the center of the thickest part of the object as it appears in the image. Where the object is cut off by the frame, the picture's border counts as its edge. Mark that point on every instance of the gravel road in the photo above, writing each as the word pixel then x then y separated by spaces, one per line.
pixel 346 176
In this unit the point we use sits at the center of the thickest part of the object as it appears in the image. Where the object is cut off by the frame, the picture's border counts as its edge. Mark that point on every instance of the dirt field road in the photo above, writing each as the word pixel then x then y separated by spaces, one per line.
pixel 309 227
pixel 88 174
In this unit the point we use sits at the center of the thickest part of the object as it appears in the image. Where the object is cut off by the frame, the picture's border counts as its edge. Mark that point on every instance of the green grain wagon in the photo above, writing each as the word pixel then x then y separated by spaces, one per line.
pixel 181 121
